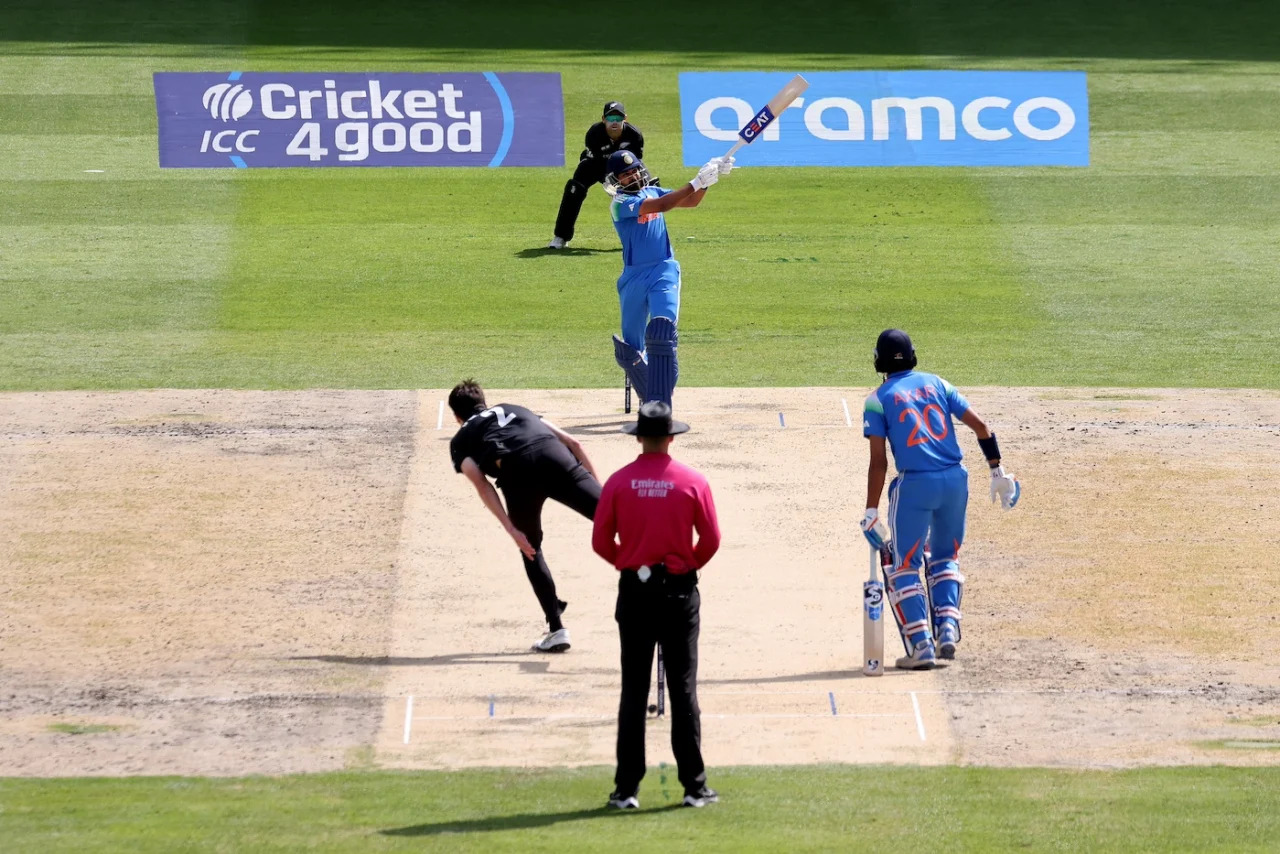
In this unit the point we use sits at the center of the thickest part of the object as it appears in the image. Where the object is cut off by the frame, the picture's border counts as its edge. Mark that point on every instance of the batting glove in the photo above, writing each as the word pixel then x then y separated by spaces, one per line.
pixel 874 530
pixel 725 165
pixel 706 176
pixel 1005 487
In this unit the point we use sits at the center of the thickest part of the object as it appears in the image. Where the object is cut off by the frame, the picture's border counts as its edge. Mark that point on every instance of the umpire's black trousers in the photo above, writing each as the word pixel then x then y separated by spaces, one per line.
pixel 662 610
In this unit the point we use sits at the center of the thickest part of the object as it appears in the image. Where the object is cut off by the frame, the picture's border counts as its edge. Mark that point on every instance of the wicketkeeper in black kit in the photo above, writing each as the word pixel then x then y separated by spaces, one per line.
pixel 612 133
pixel 532 460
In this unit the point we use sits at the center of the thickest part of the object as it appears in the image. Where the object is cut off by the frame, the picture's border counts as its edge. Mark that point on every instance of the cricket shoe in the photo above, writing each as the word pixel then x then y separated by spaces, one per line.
pixel 553 642
pixel 619 801
pixel 948 636
pixel 557 243
pixel 923 658
pixel 701 797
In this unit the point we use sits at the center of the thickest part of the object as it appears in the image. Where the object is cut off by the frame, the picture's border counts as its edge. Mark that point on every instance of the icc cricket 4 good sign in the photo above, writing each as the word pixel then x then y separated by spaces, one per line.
pixel 893 118
pixel 251 119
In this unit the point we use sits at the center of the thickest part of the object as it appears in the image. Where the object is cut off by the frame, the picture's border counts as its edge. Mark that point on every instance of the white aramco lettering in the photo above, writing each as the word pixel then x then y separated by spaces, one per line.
pixel 844 119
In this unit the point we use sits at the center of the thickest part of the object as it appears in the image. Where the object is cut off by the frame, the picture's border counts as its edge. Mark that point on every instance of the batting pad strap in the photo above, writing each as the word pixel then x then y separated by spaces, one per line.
pixel 901 576
pixel 947 611
pixel 909 629
pixel 946 575
pixel 897 596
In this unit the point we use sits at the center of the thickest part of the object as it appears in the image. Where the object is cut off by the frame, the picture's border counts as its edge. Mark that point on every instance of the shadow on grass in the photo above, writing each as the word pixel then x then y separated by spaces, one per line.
pixel 1167 29
pixel 543 251
pixel 523 821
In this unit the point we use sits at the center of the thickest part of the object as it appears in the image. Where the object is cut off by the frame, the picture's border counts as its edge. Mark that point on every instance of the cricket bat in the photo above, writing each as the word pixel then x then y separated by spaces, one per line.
pixel 779 102
pixel 873 621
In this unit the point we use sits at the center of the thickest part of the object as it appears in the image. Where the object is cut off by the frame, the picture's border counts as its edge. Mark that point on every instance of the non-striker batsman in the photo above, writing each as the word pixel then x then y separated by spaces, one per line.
pixel 912 412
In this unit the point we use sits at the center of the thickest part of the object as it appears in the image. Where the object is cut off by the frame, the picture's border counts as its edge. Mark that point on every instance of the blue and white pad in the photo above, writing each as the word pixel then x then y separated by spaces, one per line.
pixel 946 588
pixel 660 340
pixel 632 361
pixel 906 596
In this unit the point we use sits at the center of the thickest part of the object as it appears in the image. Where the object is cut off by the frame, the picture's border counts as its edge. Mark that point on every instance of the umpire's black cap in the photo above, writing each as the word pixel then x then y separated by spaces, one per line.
pixel 614 108
pixel 655 420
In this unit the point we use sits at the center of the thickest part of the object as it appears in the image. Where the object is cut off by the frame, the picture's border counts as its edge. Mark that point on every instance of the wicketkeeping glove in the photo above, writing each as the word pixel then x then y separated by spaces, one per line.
pixel 1005 487
pixel 707 175
pixel 874 530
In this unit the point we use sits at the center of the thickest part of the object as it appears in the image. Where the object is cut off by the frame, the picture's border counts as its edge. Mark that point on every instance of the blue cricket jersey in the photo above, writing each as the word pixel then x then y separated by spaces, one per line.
pixel 914 411
pixel 644 237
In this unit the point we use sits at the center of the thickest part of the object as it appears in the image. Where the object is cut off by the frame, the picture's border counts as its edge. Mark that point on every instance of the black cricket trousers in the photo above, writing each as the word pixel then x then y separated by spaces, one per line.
pixel 662 610
pixel 590 171
pixel 546 470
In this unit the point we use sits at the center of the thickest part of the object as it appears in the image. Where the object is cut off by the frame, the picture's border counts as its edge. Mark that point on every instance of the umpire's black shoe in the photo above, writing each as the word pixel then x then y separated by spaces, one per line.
pixel 619 801
pixel 701 797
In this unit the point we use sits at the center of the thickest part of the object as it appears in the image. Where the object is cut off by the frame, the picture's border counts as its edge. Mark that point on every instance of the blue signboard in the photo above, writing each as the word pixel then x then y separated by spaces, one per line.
pixel 264 118
pixel 892 118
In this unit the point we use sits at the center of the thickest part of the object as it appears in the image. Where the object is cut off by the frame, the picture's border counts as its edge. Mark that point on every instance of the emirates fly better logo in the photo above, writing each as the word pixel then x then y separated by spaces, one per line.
pixel 227 101
pixel 274 118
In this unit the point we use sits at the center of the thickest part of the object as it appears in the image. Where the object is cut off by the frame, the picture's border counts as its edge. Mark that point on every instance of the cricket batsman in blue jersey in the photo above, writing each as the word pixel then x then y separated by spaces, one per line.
pixel 912 411
pixel 649 287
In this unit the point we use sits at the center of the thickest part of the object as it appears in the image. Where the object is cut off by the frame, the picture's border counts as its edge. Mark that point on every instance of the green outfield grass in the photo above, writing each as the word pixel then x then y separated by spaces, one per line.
pixel 794 809
pixel 1155 266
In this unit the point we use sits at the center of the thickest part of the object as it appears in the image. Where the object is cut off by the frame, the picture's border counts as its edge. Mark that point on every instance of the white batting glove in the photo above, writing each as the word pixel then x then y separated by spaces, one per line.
pixel 1005 487
pixel 874 530
pixel 726 164
pixel 706 176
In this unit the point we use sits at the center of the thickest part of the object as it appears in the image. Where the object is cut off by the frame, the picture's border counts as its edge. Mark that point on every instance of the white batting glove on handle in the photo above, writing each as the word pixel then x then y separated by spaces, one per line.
pixel 725 163
pixel 874 530
pixel 706 176
pixel 1005 487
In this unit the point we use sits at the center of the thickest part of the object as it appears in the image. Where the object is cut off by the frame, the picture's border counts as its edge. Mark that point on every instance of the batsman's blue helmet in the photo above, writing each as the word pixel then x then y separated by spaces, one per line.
pixel 621 163
pixel 894 352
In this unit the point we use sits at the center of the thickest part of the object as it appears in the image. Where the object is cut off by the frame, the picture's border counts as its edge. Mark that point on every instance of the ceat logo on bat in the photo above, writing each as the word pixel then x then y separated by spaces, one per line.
pixel 757 124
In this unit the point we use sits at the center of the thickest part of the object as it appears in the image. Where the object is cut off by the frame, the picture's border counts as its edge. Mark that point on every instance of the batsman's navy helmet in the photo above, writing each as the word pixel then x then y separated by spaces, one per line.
pixel 894 352
pixel 620 163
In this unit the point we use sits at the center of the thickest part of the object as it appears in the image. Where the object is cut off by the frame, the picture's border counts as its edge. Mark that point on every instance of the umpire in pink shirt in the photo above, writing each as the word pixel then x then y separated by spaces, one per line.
pixel 644 526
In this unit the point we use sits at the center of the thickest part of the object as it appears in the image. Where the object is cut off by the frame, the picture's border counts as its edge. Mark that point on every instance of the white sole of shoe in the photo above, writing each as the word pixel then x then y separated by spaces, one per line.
pixel 560 647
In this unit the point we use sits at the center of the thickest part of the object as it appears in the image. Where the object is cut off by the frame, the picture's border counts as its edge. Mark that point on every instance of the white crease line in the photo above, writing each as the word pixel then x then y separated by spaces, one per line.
pixel 848 420
pixel 915 704
pixel 408 718
pixel 609 717
pixel 440 417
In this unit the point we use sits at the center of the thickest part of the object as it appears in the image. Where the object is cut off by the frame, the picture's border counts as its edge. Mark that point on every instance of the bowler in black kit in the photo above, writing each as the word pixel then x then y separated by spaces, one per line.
pixel 532 460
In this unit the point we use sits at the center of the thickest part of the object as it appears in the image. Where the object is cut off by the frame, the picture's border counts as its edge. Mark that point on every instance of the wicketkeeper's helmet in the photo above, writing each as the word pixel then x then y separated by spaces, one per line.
pixel 625 163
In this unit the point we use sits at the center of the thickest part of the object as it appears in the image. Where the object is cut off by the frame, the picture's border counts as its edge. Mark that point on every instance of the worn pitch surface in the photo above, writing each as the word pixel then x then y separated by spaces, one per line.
pixel 226 582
